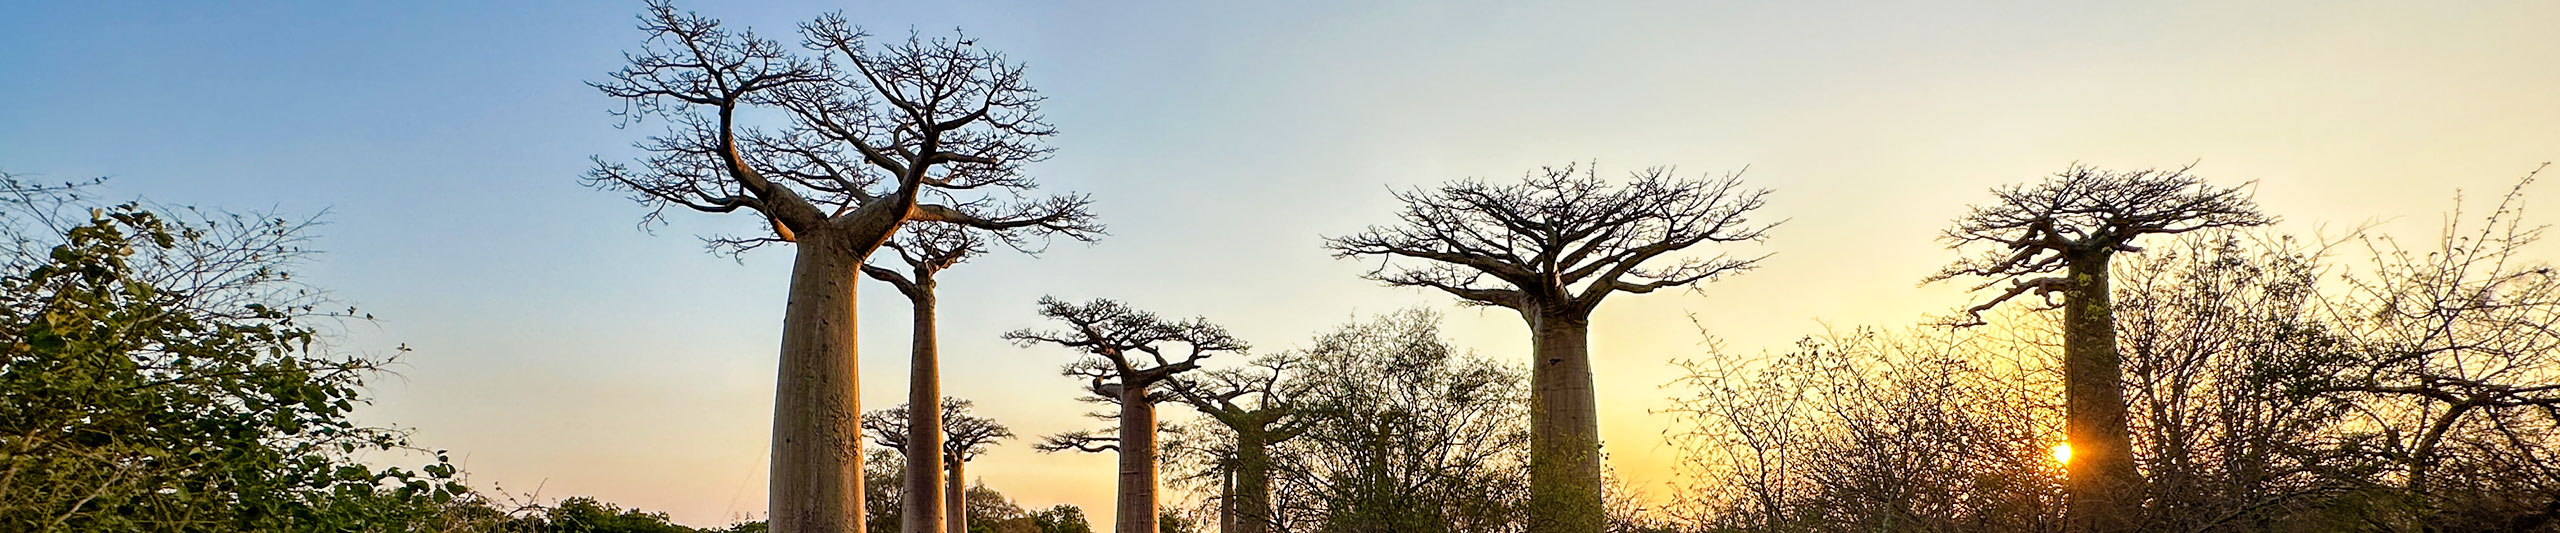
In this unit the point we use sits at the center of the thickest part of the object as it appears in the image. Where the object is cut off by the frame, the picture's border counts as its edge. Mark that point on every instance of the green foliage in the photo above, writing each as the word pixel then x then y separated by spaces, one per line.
pixel 1401 431
pixel 1061 519
pixel 164 374
pixel 1410 434
pixel 989 510
pixel 1173 522
pixel 883 496
pixel 586 515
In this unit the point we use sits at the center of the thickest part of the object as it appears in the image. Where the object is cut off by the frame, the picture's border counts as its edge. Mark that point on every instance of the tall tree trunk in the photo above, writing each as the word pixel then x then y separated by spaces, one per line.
pixel 816 484
pixel 2103 491
pixel 924 420
pixel 1227 502
pixel 1252 492
pixel 956 495
pixel 1564 426
pixel 1137 506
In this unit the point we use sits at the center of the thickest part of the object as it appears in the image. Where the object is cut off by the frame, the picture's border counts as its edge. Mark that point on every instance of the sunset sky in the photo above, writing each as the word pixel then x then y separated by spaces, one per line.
pixel 560 346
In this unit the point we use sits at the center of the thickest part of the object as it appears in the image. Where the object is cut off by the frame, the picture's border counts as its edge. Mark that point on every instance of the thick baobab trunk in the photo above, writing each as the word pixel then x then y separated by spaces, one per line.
pixel 924 421
pixel 1252 490
pixel 1136 512
pixel 2103 491
pixel 956 495
pixel 1564 426
pixel 816 485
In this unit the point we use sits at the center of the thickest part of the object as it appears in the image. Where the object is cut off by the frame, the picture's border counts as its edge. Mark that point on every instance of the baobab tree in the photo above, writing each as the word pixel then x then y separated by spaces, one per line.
pixel 863 138
pixel 925 249
pixel 2072 224
pixel 1553 246
pixel 1128 358
pixel 1258 405
pixel 964 437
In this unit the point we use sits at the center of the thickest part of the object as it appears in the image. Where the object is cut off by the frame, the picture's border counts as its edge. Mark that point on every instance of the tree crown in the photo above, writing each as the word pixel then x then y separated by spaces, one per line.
pixel 925 129
pixel 1126 346
pixel 1262 396
pixel 1563 237
pixel 964 436
pixel 2083 210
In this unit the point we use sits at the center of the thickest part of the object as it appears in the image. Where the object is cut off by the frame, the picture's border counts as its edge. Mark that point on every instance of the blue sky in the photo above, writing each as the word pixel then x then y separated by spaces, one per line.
pixel 560 346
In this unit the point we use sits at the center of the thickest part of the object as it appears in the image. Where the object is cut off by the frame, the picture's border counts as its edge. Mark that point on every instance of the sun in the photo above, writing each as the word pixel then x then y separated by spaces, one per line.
pixel 2062 453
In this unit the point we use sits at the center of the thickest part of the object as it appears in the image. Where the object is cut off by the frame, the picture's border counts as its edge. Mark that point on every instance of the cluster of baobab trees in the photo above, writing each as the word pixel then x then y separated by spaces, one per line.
pixel 847 147
pixel 918 147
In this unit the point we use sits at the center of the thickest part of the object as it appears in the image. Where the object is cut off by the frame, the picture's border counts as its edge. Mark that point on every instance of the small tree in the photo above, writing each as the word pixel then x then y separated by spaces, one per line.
pixel 1404 432
pixel 1128 357
pixel 874 136
pixel 2072 224
pixel 1259 407
pixel 1061 519
pixel 2456 373
pixel 2211 325
pixel 965 437
pixel 1555 245
pixel 1867 430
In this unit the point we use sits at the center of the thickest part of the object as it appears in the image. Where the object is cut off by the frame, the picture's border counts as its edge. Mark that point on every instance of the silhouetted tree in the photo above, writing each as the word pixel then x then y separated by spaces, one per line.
pixel 1554 246
pixel 2072 224
pixel 2211 326
pixel 965 437
pixel 1404 432
pixel 2456 376
pixel 1259 407
pixel 874 136
pixel 1936 430
pixel 1128 357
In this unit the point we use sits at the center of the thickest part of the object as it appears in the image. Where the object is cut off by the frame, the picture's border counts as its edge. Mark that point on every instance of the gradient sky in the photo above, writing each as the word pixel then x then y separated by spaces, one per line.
pixel 559 346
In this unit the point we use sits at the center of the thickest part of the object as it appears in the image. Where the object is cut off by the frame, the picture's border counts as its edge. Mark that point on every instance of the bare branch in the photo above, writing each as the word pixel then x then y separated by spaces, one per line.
pixel 1562 239
pixel 964 436
pixel 2083 213
pixel 867 130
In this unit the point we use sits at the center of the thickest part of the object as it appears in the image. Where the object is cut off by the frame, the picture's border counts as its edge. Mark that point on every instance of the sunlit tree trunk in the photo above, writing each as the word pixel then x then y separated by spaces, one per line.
pixel 2105 492
pixel 956 495
pixel 816 482
pixel 1564 426
pixel 1227 502
pixel 1137 505
pixel 924 420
